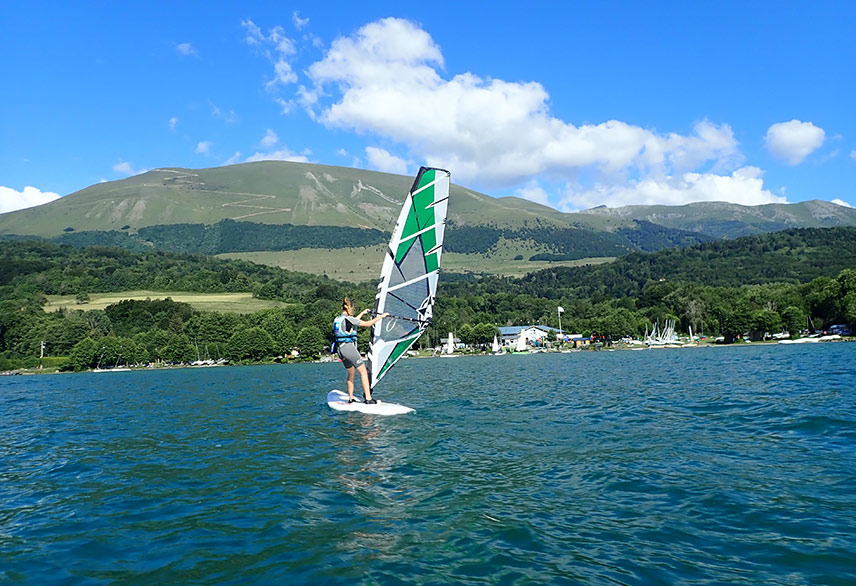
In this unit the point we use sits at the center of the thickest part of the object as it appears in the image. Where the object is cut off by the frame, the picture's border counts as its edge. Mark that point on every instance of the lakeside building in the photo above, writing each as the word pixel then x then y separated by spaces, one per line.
pixel 510 334
pixel 538 334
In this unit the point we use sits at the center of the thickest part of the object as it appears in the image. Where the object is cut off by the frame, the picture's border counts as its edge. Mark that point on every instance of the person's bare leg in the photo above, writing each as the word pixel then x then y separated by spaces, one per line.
pixel 351 384
pixel 364 376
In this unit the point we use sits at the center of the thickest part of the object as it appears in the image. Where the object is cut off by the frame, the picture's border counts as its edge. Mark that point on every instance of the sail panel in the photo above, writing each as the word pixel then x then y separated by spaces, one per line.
pixel 396 351
pixel 408 280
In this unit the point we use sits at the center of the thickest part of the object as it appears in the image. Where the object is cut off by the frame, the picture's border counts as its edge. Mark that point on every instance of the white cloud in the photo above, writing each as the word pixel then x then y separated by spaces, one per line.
pixel 277 48
pixel 284 74
pixel 744 186
pixel 382 160
pixel 203 147
pixel 125 168
pixel 186 49
pixel 270 139
pixel 853 155
pixel 173 122
pixel 841 202
pixel 228 117
pixel 254 36
pixel 286 106
pixel 356 163
pixel 299 23
pixel 11 199
pixel 793 141
pixel 534 192
pixel 234 159
pixel 386 80
pixel 280 155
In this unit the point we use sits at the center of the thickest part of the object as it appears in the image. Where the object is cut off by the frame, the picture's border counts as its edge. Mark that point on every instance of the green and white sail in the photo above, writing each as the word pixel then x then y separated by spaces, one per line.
pixel 408 279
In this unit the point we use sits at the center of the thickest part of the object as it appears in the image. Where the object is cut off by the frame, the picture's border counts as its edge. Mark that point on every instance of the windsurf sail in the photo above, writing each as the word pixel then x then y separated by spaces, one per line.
pixel 408 279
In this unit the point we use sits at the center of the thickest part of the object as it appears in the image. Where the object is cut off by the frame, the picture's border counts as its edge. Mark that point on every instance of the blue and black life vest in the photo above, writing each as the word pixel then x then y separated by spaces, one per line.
pixel 339 333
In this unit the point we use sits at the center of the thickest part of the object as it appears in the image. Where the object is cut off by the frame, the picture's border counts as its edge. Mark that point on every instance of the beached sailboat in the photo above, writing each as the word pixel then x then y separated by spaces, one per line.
pixel 449 348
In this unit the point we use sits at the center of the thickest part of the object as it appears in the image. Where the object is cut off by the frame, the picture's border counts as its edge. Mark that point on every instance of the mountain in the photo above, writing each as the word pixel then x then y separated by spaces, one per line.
pixel 728 220
pixel 270 211
pixel 269 192
pixel 301 215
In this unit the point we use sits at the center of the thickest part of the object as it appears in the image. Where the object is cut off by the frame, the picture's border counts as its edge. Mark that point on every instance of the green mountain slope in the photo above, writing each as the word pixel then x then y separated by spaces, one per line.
pixel 276 192
pixel 269 192
pixel 727 220
pixel 282 206
pixel 273 206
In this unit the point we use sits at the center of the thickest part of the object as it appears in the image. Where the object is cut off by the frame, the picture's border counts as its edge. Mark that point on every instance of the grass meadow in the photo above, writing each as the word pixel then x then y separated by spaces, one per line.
pixel 223 302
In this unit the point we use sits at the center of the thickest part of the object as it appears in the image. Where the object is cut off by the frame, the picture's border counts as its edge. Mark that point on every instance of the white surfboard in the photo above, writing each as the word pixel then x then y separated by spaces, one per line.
pixel 339 401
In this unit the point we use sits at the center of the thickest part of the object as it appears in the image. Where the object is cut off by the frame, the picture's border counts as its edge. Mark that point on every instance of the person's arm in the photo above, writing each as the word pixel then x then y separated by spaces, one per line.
pixel 372 321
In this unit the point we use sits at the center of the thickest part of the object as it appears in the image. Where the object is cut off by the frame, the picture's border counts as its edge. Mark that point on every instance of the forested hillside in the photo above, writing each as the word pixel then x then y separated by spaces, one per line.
pixel 757 284
pixel 229 236
pixel 155 330
pixel 35 268
pixel 224 236
pixel 792 256
pixel 751 285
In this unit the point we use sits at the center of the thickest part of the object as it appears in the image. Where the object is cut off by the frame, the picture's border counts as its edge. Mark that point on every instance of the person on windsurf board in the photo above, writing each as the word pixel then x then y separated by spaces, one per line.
pixel 345 332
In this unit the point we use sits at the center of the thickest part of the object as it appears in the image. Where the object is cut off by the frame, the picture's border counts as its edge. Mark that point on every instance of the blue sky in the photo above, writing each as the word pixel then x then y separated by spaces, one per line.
pixel 571 104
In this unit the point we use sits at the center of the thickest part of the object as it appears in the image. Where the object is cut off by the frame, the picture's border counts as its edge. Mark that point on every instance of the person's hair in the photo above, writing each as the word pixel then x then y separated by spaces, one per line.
pixel 348 306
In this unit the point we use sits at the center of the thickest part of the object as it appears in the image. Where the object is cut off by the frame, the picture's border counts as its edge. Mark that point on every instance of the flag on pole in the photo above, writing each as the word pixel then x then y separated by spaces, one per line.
pixel 561 309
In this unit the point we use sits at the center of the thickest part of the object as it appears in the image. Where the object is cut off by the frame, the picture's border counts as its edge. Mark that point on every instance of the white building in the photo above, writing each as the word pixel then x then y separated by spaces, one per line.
pixel 510 334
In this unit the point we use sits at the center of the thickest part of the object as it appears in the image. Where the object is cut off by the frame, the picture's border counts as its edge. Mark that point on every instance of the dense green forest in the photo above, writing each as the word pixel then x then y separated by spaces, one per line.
pixel 34 268
pixel 792 256
pixel 224 236
pixel 571 243
pixel 751 285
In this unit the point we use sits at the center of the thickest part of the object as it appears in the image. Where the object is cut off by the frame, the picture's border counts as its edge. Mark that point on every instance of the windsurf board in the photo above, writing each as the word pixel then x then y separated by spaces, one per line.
pixel 339 401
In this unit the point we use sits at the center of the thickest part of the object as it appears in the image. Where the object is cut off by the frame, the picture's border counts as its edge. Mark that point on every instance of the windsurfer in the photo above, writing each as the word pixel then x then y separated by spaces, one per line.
pixel 345 331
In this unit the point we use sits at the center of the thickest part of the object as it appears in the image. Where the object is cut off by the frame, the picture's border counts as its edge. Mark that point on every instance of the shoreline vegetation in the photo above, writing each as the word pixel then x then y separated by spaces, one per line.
pixel 246 313
pixel 420 355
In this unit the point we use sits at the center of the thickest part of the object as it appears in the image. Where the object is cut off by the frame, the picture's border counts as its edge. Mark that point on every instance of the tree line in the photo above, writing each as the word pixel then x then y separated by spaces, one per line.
pixel 755 285
pixel 134 332
pixel 31 269
pixel 564 243
pixel 573 242
pixel 222 237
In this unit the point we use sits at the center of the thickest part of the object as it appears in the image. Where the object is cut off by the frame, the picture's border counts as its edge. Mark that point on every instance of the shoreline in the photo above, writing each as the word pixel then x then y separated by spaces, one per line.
pixel 37 371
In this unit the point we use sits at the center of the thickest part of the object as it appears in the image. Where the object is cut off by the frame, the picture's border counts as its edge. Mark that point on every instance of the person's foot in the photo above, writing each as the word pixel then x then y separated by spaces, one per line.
pixel 370 402
pixel 352 400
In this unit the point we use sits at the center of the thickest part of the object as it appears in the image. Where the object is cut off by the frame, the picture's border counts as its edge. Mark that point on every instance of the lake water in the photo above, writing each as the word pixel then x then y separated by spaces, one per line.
pixel 689 466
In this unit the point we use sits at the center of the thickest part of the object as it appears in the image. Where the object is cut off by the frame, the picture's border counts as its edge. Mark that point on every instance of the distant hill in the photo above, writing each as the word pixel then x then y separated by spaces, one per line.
pixel 283 206
pixel 728 220
pixel 268 192
pixel 272 206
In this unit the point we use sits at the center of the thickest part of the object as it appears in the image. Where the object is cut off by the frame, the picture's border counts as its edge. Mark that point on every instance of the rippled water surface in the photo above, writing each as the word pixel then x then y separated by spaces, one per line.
pixel 691 466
